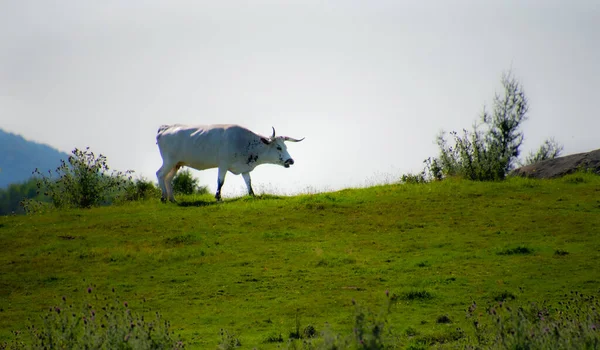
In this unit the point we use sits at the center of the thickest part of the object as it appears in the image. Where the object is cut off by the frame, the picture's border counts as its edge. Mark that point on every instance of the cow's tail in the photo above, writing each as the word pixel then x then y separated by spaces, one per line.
pixel 160 131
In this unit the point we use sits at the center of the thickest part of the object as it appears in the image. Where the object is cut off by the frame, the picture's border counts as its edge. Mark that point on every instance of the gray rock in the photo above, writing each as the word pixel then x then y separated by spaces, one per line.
pixel 561 166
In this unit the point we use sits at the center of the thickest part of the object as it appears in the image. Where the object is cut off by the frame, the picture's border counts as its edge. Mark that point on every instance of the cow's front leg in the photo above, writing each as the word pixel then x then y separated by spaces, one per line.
pixel 220 182
pixel 248 181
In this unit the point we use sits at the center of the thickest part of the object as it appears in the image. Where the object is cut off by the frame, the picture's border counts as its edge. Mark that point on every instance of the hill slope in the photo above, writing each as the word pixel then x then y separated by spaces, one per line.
pixel 19 157
pixel 256 267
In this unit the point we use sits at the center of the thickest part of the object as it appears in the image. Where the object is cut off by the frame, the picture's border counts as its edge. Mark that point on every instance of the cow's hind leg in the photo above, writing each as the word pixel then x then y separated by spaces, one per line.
pixel 220 182
pixel 161 174
pixel 165 175
pixel 248 181
pixel 169 182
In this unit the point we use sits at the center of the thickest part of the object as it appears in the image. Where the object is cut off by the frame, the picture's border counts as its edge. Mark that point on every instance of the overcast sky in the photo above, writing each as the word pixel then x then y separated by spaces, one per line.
pixel 368 83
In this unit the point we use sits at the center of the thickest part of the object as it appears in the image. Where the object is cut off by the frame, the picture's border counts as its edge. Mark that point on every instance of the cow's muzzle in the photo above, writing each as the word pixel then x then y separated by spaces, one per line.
pixel 288 162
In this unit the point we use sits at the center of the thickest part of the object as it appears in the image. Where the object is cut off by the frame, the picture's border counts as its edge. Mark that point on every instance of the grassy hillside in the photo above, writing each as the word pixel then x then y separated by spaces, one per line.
pixel 253 266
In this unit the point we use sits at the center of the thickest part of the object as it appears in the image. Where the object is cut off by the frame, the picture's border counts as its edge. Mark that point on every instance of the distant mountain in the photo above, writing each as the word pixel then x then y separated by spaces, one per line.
pixel 19 157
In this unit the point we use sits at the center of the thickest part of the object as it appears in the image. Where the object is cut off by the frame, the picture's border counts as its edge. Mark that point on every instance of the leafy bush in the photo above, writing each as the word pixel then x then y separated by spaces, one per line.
pixel 185 183
pixel 82 181
pixel 490 153
pixel 417 295
pixel 520 250
pixel 140 189
pixel 410 178
pixel 491 150
pixel 107 323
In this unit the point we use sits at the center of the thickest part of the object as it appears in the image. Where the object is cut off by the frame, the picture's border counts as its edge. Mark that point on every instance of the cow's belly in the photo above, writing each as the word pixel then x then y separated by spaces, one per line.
pixel 201 165
pixel 240 167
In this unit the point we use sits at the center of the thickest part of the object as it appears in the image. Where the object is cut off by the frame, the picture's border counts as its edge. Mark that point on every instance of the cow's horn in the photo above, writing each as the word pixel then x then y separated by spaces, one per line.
pixel 286 138
pixel 273 136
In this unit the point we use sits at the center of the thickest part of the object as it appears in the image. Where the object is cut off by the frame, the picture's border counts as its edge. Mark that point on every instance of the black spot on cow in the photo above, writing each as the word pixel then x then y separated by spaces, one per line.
pixel 252 158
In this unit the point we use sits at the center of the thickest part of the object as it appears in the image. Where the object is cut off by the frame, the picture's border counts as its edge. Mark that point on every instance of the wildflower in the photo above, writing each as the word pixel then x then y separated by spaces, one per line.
pixel 89 289
pixel 387 293
pixel 125 304
pixel 64 298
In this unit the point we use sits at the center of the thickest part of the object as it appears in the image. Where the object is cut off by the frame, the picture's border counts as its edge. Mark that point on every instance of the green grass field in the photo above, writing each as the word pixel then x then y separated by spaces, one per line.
pixel 254 266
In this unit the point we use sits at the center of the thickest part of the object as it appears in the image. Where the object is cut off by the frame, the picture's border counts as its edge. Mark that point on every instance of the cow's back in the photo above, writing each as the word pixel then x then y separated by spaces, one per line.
pixel 200 146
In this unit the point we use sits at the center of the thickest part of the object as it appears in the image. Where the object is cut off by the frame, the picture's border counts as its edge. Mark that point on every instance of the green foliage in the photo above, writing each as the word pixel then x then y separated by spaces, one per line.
pixel 185 183
pixel 487 154
pixel 82 181
pixel 516 251
pixel 14 194
pixel 140 189
pixel 550 149
pixel 413 178
pixel 417 295
pixel 97 323
pixel 491 150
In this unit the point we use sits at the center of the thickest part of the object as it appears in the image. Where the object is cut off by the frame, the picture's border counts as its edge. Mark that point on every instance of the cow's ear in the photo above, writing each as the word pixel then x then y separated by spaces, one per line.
pixel 265 140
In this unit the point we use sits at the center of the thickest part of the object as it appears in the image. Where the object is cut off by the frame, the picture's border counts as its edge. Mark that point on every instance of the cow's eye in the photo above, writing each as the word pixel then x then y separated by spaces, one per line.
pixel 279 148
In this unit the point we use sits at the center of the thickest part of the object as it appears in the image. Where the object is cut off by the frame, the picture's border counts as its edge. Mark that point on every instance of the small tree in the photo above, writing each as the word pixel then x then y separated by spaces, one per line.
pixel 82 181
pixel 504 137
pixel 550 149
pixel 487 153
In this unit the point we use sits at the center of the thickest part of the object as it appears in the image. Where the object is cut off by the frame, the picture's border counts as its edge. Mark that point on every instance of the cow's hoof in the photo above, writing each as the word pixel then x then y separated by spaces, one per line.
pixel 163 200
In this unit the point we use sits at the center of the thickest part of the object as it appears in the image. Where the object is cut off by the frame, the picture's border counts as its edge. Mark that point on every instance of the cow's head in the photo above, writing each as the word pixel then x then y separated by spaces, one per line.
pixel 277 150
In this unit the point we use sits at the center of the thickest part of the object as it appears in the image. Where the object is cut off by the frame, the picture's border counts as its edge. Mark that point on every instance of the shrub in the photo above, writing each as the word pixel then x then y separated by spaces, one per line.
pixel 491 150
pixel 140 189
pixel 520 250
pixel 185 183
pixel 417 295
pixel 410 178
pixel 82 181
pixel 443 319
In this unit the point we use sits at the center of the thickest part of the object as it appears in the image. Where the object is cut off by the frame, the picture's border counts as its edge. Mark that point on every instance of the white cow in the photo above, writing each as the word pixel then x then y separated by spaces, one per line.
pixel 225 146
